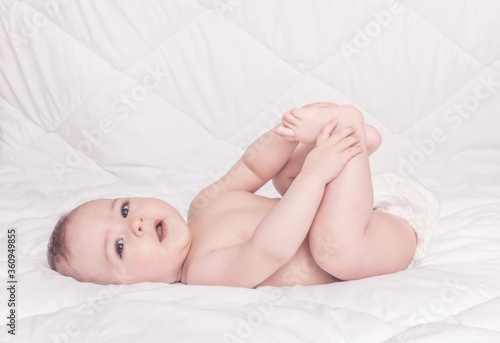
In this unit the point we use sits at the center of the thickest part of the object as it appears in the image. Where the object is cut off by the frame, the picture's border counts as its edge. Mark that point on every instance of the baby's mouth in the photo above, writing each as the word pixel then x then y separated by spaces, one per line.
pixel 160 230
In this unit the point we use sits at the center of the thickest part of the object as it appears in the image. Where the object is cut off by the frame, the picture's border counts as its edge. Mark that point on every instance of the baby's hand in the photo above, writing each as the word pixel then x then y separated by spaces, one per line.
pixel 304 124
pixel 332 152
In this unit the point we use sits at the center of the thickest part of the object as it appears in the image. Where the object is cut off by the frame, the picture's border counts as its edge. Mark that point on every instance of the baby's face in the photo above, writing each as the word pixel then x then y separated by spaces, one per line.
pixel 127 241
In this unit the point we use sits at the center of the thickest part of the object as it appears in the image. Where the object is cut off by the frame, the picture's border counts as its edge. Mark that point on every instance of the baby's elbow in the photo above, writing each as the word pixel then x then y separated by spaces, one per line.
pixel 274 256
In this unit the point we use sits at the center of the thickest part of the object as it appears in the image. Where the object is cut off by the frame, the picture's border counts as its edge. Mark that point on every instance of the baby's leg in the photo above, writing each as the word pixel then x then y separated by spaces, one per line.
pixel 348 239
pixel 292 167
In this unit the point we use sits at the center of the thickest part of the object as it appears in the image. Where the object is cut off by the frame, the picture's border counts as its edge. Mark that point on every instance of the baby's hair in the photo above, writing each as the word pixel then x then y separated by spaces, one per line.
pixel 57 249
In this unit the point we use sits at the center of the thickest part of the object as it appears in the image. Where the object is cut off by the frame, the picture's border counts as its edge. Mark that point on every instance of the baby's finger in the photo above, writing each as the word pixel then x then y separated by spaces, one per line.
pixel 326 132
pixel 352 151
pixel 347 142
pixel 345 132
pixel 337 136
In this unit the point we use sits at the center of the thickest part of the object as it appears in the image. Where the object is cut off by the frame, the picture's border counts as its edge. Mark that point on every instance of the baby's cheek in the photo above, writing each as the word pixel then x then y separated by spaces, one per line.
pixel 140 261
pixel 141 271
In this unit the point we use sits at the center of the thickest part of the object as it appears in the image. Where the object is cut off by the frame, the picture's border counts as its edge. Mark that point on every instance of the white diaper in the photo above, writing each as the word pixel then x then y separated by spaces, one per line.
pixel 407 198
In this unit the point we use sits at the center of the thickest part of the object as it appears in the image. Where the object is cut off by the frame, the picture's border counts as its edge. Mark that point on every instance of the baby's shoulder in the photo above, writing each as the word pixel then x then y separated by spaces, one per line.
pixel 210 199
pixel 218 204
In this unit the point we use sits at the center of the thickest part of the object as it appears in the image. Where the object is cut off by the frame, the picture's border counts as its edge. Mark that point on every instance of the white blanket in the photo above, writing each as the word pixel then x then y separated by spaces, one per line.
pixel 159 98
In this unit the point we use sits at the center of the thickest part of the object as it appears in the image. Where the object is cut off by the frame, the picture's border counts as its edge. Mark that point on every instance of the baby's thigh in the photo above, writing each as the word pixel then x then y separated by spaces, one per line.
pixel 387 246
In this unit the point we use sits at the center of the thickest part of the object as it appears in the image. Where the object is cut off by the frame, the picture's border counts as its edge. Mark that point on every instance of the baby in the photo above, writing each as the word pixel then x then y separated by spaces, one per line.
pixel 323 229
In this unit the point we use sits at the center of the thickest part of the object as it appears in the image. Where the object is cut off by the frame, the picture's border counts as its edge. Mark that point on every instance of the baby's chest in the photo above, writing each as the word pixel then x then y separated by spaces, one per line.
pixel 228 221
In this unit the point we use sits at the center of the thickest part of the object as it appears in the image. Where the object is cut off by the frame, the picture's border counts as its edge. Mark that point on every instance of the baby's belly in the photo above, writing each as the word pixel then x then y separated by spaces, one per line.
pixel 300 270
pixel 232 219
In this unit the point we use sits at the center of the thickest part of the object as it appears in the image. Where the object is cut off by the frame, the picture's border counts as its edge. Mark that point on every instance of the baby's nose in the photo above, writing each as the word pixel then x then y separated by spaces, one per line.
pixel 136 225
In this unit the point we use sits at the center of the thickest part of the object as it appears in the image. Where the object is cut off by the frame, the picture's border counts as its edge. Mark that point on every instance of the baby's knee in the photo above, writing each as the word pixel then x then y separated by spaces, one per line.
pixel 373 138
pixel 339 260
pixel 352 111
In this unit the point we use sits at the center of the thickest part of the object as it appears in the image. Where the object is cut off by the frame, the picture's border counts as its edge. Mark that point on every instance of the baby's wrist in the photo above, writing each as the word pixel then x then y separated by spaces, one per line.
pixel 314 174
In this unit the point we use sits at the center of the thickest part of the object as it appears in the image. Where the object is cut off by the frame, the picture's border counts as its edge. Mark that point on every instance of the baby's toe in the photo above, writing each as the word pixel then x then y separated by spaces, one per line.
pixel 291 118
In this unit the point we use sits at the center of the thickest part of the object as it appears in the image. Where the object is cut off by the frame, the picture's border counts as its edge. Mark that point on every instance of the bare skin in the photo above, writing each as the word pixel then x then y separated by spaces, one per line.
pixel 305 128
pixel 322 229
pixel 349 239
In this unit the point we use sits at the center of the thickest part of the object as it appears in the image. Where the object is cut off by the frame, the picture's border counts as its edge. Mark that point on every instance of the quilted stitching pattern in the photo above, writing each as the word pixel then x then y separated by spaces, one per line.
pixel 106 98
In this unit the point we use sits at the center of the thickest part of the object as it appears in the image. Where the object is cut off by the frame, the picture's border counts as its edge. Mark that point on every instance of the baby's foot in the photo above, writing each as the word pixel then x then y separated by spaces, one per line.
pixel 307 122
pixel 304 124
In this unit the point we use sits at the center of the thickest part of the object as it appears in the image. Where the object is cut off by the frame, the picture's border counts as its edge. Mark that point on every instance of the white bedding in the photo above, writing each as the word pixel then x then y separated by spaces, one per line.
pixel 158 98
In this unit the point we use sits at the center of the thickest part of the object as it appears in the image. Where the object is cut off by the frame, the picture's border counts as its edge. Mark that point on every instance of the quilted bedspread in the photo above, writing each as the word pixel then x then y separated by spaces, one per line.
pixel 159 98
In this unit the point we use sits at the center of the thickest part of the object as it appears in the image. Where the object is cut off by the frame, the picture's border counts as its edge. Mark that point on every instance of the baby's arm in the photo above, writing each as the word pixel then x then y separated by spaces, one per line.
pixel 262 160
pixel 289 221
pixel 279 235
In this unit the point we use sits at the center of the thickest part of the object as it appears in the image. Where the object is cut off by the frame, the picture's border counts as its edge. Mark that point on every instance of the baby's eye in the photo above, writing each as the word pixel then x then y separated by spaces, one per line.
pixel 119 246
pixel 125 208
